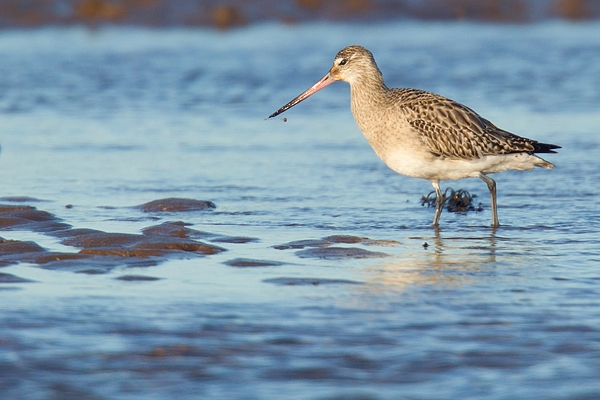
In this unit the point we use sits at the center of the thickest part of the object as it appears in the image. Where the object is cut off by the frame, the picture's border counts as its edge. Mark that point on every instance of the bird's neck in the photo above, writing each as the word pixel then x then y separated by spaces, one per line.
pixel 368 88
pixel 368 99
pixel 370 81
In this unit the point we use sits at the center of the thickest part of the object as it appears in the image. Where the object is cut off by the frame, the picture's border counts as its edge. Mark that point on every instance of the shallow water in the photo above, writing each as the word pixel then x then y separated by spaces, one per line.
pixel 110 119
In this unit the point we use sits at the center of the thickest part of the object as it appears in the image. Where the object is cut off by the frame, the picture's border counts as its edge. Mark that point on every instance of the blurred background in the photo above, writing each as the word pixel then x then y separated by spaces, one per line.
pixel 226 14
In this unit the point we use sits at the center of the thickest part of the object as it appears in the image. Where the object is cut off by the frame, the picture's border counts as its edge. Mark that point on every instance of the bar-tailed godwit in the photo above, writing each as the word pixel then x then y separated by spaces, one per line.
pixel 425 135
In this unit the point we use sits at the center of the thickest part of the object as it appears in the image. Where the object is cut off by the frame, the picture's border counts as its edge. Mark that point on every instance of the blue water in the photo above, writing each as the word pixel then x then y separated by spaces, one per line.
pixel 111 118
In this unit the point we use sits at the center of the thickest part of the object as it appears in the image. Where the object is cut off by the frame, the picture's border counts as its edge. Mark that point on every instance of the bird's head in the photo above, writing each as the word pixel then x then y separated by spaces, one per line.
pixel 351 64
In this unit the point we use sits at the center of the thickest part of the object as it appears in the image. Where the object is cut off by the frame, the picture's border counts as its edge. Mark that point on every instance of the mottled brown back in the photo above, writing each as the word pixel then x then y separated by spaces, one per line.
pixel 453 130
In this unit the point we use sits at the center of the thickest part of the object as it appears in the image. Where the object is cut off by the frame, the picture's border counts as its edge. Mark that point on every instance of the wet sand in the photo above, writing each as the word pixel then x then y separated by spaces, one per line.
pixel 98 252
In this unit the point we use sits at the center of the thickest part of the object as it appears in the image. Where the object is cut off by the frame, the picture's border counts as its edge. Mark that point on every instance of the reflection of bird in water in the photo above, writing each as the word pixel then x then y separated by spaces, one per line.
pixel 446 261
pixel 424 135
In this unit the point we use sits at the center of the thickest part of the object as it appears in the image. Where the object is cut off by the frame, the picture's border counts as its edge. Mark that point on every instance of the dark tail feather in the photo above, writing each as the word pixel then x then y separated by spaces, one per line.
pixel 545 148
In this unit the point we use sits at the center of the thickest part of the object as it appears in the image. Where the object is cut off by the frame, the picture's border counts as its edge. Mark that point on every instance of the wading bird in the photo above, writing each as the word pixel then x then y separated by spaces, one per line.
pixel 425 135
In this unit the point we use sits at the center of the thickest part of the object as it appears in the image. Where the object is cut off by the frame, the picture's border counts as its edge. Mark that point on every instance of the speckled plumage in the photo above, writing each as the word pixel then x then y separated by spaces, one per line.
pixel 425 135
pixel 451 129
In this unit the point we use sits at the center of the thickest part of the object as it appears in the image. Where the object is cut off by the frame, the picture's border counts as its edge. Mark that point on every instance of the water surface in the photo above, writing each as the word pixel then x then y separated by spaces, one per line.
pixel 109 119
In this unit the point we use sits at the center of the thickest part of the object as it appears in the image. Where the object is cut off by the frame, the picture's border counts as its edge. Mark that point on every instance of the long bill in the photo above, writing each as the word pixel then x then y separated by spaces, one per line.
pixel 324 81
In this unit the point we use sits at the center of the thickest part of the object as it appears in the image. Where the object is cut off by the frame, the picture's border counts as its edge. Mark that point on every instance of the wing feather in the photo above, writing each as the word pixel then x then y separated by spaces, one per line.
pixel 453 130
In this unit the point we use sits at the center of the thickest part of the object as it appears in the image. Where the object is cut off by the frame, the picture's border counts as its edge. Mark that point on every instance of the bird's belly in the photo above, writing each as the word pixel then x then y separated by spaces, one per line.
pixel 426 166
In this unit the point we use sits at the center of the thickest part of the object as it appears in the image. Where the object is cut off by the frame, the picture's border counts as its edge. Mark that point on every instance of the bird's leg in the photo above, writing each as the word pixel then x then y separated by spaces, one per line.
pixel 439 202
pixel 491 184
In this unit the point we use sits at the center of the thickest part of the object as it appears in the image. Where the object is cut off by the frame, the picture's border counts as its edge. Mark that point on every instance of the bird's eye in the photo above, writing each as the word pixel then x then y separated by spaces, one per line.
pixel 343 62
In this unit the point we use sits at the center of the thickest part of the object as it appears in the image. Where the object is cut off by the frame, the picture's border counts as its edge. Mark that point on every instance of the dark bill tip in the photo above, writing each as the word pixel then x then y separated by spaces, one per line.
pixel 325 81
